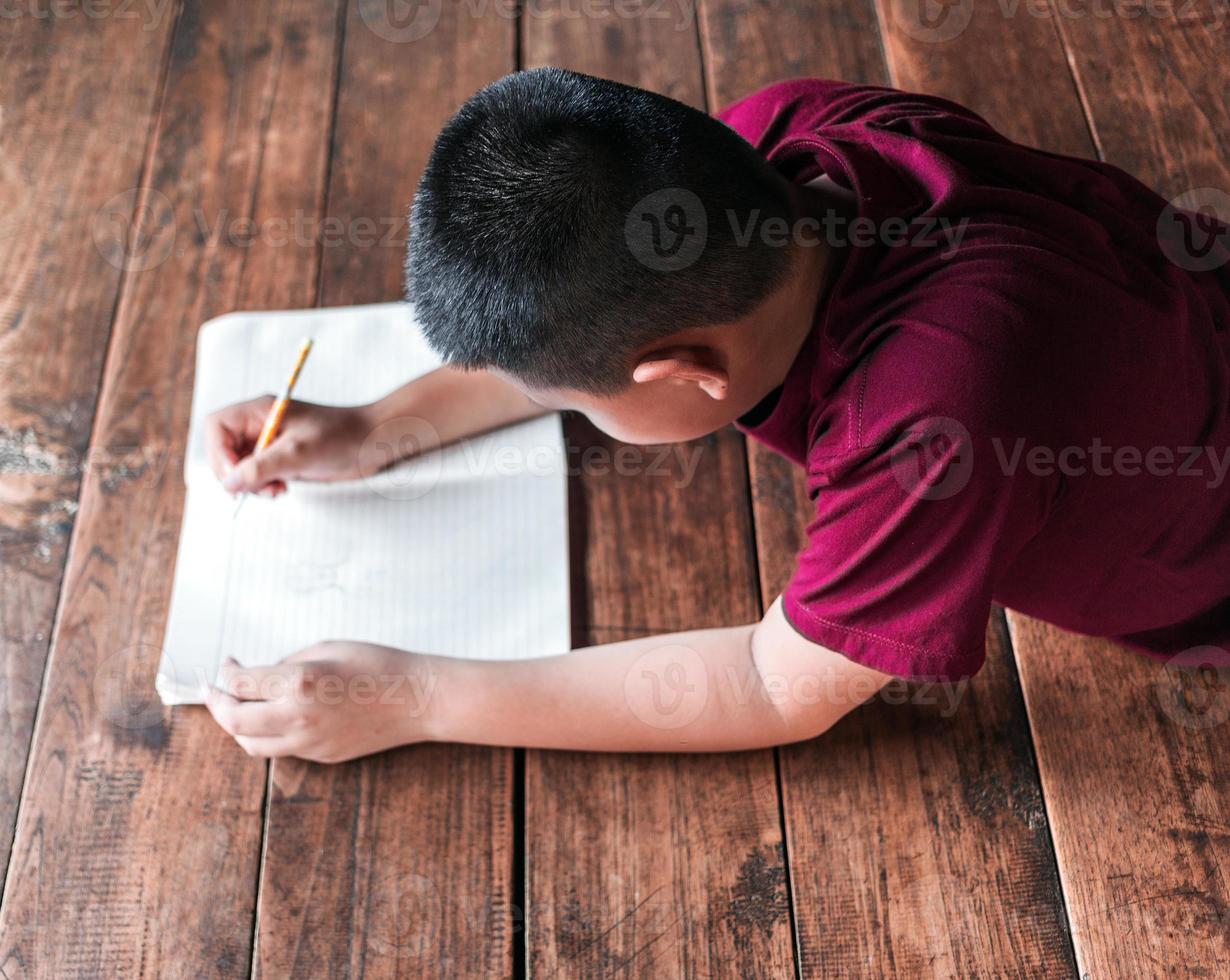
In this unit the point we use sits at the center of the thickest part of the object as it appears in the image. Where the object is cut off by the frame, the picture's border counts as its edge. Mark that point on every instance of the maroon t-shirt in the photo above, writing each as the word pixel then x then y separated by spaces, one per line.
pixel 1022 397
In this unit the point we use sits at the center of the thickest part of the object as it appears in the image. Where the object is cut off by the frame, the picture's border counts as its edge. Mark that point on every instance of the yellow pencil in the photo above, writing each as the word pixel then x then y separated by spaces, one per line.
pixel 273 422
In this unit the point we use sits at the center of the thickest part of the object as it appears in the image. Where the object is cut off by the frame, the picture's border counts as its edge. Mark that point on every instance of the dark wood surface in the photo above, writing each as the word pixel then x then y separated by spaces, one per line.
pixel 138 839
pixel 1069 818
pixel 640 895
pixel 400 864
pixel 1145 860
pixel 73 139
pixel 907 816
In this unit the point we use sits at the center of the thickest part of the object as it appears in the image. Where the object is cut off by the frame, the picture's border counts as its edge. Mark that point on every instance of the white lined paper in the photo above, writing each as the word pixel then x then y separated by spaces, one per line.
pixel 463 551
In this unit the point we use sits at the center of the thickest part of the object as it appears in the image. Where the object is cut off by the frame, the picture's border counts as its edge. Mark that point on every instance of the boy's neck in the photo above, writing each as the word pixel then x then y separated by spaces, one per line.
pixel 790 315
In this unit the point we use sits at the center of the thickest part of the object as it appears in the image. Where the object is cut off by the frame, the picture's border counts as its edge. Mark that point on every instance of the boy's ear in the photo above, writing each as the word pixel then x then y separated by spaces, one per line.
pixel 685 365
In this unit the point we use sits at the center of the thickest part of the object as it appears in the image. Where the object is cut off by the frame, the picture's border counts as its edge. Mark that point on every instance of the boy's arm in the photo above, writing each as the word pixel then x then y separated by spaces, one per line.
pixel 325 442
pixel 455 404
pixel 706 690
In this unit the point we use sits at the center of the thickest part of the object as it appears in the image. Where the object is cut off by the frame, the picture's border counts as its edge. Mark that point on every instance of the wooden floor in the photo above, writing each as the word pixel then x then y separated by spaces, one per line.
pixel 1072 818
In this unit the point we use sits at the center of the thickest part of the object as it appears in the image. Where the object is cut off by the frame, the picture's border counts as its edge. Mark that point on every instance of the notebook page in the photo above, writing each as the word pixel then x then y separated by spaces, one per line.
pixel 462 551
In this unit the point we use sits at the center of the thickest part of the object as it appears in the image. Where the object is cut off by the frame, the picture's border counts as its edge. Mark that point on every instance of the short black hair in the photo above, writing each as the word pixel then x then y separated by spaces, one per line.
pixel 526 254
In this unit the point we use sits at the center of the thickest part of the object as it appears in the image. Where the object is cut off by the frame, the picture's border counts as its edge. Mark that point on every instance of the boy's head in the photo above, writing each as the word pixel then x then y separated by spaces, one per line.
pixel 596 244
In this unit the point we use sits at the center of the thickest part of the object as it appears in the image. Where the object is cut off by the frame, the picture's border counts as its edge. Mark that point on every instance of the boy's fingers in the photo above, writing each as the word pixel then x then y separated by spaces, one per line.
pixel 229 429
pixel 256 683
pixel 254 472
pixel 262 719
pixel 219 448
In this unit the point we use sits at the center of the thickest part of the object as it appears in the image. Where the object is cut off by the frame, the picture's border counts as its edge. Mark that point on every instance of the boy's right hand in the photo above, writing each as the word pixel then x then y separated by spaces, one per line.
pixel 316 442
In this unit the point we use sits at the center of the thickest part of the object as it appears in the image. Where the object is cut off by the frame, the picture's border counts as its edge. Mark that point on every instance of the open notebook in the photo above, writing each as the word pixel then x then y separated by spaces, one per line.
pixel 462 551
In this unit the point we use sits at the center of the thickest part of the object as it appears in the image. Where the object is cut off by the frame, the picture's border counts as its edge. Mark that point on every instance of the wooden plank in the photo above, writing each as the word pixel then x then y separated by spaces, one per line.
pixel 1145 860
pixel 1153 890
pixel 652 865
pixel 1157 105
pixel 917 834
pixel 72 139
pixel 1009 68
pixel 400 864
pixel 1136 780
pixel 747 46
pixel 138 841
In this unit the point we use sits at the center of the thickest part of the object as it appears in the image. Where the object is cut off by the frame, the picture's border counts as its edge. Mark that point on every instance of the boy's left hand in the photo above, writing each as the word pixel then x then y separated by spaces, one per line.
pixel 328 703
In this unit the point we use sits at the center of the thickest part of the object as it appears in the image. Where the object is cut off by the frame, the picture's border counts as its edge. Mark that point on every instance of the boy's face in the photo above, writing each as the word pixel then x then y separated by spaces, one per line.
pixel 644 413
pixel 698 380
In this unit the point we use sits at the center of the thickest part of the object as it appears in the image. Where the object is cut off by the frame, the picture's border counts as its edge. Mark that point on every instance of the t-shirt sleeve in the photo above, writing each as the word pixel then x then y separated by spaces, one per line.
pixel 783 111
pixel 901 558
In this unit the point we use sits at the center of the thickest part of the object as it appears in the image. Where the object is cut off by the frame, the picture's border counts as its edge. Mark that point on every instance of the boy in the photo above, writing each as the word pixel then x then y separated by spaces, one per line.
pixel 1006 372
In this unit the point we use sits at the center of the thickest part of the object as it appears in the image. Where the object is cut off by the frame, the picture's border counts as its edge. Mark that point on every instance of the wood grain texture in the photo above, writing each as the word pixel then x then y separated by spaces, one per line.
pixel 916 829
pixel 652 865
pixel 72 138
pixel 399 864
pixel 1137 783
pixel 1132 753
pixel 138 841
pixel 1141 863
pixel 1154 89
pixel 999 57
pixel 918 836
pixel 748 44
